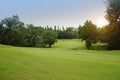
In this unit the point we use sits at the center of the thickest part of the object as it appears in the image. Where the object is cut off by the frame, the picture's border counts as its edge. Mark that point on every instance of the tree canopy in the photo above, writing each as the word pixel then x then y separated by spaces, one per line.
pixel 113 30
pixel 88 33
pixel 14 32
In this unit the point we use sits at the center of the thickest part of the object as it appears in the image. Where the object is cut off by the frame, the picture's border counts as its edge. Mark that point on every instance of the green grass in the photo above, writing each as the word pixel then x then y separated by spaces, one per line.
pixel 67 60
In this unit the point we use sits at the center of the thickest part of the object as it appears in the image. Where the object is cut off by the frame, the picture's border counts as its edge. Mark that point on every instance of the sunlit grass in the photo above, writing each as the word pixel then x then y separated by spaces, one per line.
pixel 67 60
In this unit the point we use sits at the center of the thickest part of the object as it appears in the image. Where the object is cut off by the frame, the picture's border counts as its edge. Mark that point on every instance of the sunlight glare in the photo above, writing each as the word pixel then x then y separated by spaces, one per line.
pixel 101 22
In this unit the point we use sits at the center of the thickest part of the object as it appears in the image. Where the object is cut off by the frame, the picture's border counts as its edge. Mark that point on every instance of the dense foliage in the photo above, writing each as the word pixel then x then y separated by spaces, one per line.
pixel 113 30
pixel 89 33
pixel 9 30
pixel 49 38
pixel 14 32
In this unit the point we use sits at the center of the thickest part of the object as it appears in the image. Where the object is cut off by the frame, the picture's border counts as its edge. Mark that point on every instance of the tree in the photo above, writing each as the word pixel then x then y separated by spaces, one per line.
pixel 102 34
pixel 81 32
pixel 113 16
pixel 61 33
pixel 11 26
pixel 49 38
pixel 88 33
pixel 67 33
pixel 33 35
pixel 1 33
pixel 70 33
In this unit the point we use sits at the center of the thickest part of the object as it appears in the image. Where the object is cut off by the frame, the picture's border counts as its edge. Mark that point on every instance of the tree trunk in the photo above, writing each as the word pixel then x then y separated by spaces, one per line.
pixel 49 46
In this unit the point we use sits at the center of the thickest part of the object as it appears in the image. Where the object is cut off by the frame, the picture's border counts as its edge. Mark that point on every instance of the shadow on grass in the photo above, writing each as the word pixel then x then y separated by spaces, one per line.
pixel 98 47
pixel 78 48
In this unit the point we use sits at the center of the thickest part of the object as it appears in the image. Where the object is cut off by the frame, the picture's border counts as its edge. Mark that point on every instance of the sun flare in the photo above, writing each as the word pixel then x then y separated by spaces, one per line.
pixel 101 22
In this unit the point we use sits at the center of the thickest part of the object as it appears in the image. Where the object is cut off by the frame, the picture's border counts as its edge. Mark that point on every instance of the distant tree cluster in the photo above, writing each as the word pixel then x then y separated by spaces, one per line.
pixel 67 33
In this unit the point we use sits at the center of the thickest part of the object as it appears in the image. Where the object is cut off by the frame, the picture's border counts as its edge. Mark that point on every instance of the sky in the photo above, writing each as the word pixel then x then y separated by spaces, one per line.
pixel 70 13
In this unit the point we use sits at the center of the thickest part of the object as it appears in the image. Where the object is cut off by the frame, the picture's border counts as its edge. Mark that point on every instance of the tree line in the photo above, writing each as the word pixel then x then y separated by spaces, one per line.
pixel 15 32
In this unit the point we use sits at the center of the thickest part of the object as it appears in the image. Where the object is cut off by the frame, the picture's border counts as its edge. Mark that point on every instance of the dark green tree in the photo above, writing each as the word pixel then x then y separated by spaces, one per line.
pixel 1 33
pixel 49 38
pixel 88 33
pixel 102 34
pixel 33 35
pixel 70 33
pixel 10 27
pixel 113 16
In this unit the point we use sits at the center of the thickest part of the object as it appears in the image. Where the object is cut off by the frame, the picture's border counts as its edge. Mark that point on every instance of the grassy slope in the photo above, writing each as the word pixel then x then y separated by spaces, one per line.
pixel 67 60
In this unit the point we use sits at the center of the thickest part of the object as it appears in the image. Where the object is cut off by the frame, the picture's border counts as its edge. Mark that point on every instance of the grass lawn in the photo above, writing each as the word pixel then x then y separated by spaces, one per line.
pixel 67 60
